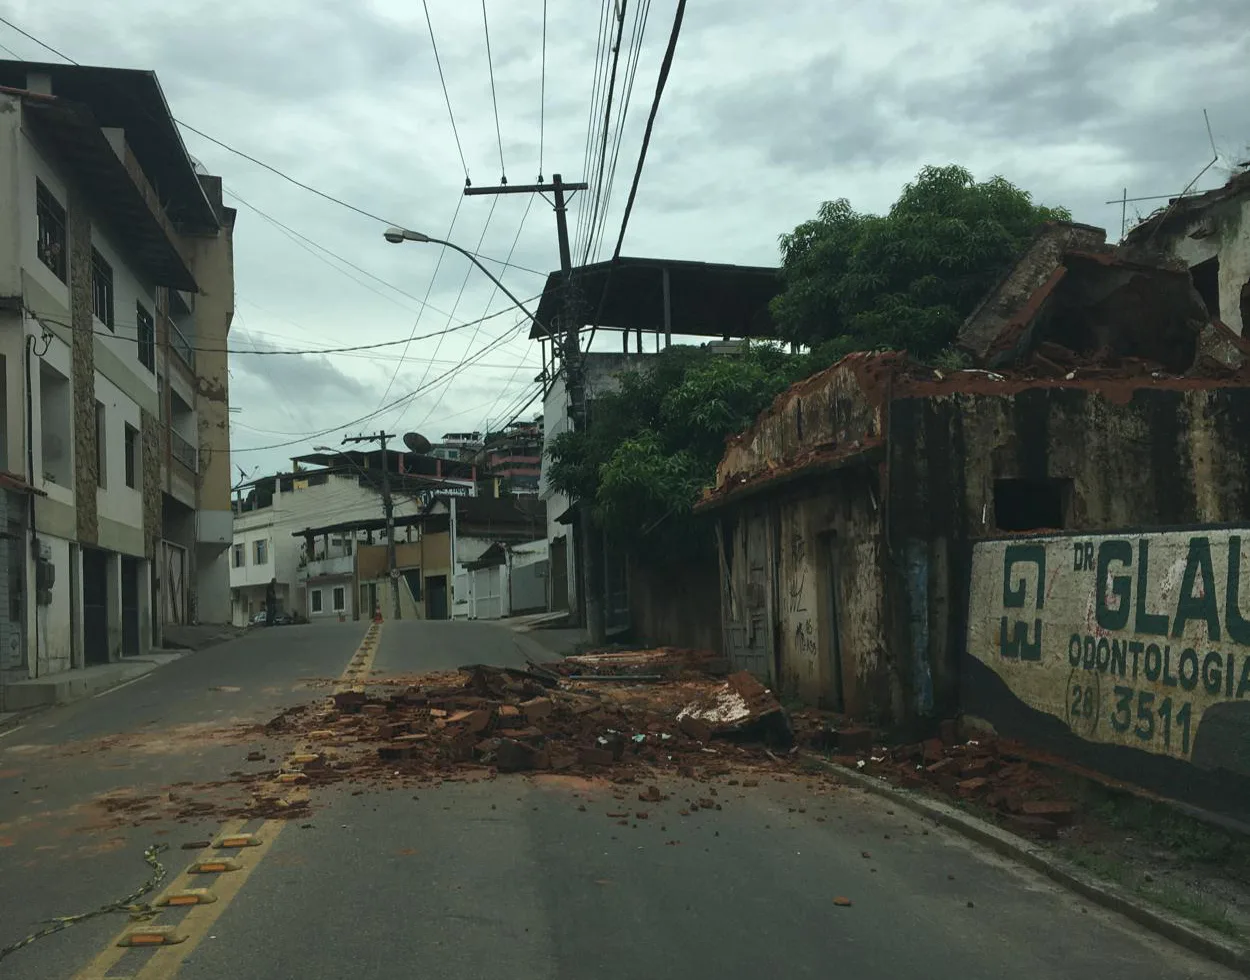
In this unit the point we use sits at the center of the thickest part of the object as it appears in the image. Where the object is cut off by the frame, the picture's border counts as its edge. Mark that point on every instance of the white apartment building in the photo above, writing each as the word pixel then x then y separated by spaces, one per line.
pixel 268 544
pixel 115 255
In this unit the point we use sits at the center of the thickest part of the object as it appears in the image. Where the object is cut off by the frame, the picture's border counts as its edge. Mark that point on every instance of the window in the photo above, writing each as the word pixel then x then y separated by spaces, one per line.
pixel 55 400
pixel 1029 505
pixel 260 552
pixel 132 456
pixel 101 458
pixel 238 557
pixel 338 598
pixel 101 289
pixel 315 598
pixel 1206 280
pixel 147 338
pixel 51 245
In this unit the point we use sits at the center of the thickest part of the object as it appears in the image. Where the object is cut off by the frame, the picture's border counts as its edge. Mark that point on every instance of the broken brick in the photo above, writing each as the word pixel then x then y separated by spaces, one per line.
pixel 651 794
pixel 1056 811
pixel 373 709
pixel 391 730
pixel 507 714
pixel 1031 826
pixel 948 731
pixel 933 749
pixel 595 757
pixel 537 709
pixel 981 766
pixel 971 787
pixel 943 767
pixel 854 740
pixel 514 756
pixel 349 701
pixel 695 728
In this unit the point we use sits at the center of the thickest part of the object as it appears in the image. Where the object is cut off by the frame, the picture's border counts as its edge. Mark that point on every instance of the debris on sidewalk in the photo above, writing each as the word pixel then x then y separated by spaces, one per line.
pixel 740 706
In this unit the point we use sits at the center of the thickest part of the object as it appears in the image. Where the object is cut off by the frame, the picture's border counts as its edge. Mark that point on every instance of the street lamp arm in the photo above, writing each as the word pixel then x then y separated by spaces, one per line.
pixel 397 235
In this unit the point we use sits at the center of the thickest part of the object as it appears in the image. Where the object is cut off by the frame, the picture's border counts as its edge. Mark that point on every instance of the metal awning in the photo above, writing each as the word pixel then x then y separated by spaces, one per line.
pixel 703 299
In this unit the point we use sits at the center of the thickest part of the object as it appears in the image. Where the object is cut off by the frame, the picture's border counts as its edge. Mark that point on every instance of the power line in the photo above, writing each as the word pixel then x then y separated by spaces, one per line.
pixel 597 197
pixel 45 318
pixel 455 306
pixel 442 252
pixel 446 97
pixel 641 14
pixel 592 118
pixel 495 288
pixel 542 99
pixel 402 399
pixel 665 67
pixel 490 64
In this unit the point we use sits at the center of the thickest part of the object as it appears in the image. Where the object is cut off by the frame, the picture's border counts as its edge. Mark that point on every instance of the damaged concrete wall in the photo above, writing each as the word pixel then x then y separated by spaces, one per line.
pixel 1087 462
pixel 677 605
pixel 1211 230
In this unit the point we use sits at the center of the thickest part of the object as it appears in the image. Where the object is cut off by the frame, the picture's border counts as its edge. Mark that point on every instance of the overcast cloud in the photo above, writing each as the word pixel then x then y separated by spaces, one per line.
pixel 770 109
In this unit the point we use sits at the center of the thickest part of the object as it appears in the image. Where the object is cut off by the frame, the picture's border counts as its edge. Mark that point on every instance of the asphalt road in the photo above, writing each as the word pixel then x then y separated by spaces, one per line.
pixel 506 877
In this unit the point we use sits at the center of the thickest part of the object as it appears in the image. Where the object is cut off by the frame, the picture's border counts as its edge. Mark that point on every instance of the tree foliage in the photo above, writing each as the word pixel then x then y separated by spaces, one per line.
pixel 652 446
pixel 906 279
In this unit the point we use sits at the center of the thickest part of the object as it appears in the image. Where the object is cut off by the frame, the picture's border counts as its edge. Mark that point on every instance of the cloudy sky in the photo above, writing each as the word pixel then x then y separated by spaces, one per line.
pixel 770 109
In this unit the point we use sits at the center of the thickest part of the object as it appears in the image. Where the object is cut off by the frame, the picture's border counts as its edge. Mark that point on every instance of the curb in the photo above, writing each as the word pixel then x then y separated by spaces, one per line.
pixel 1193 937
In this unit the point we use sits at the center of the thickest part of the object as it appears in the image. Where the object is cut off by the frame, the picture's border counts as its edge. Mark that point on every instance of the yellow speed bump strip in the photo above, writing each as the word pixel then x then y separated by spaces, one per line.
pixel 237 840
pixel 152 936
pixel 214 866
pixel 187 896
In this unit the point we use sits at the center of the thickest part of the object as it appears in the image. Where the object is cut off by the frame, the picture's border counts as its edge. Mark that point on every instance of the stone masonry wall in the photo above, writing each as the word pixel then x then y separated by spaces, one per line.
pixel 85 476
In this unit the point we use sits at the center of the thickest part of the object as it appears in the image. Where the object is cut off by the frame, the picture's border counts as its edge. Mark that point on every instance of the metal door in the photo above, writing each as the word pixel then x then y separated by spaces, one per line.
pixel 559 575
pixel 95 612
pixel 436 596
pixel 130 606
pixel 746 596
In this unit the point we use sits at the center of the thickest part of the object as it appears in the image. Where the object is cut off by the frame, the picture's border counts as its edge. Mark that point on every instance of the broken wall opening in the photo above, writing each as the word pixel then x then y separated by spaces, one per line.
pixel 1206 279
pixel 1032 504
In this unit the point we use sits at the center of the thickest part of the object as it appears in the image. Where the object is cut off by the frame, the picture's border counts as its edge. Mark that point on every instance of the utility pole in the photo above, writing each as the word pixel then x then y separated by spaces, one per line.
pixel 388 509
pixel 567 342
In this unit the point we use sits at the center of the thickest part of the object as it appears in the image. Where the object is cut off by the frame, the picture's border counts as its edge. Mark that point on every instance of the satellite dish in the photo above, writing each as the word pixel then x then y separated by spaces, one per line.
pixel 416 442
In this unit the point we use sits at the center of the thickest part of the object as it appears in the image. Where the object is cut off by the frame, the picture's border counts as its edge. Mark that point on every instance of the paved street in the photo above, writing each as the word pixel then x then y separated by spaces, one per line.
pixel 497 877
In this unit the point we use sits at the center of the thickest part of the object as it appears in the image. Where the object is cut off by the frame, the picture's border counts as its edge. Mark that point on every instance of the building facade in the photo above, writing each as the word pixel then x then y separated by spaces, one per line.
pixel 115 264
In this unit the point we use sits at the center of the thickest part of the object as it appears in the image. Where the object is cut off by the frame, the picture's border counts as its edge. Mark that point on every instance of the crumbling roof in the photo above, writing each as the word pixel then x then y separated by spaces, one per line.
pixel 1181 212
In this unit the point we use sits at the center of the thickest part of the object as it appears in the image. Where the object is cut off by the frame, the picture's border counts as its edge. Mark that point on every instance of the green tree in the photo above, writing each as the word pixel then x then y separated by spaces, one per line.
pixel 652 446
pixel 906 279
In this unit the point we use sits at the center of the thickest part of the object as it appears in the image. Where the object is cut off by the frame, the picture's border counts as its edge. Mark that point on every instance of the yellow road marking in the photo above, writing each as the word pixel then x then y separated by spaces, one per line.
pixel 200 919
pixel 166 960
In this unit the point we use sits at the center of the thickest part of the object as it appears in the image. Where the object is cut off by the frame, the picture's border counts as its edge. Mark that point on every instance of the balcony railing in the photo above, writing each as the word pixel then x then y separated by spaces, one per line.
pixel 182 347
pixel 184 451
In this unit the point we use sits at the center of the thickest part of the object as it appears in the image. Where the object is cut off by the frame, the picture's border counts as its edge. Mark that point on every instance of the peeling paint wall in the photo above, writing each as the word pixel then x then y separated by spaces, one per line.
pixel 1222 232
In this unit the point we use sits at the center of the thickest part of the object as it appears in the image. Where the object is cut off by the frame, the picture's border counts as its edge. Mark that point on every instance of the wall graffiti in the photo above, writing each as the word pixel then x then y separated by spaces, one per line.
pixel 1139 640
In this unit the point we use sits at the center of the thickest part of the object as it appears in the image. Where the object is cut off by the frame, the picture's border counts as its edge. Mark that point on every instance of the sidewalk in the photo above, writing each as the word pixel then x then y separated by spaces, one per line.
pixel 71 685
pixel 557 641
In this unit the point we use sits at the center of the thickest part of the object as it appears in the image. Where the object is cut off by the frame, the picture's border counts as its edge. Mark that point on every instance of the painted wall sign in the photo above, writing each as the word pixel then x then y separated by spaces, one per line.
pixel 1140 640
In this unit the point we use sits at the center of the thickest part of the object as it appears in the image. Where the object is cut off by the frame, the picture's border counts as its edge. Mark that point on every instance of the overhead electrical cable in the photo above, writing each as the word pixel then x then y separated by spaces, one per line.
pixel 542 98
pixel 438 62
pixel 490 64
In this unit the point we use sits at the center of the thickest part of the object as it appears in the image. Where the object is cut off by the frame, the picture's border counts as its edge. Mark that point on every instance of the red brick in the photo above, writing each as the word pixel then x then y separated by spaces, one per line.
pixel 971 787
pixel 508 714
pixel 943 767
pixel 1056 811
pixel 854 740
pixel 392 730
pixel 1031 826
pixel 537 709
pixel 981 766
pixel 373 709
pixel 911 753
pixel 513 756
pixel 596 757
pixel 934 750
pixel 693 727
pixel 651 794
pixel 948 731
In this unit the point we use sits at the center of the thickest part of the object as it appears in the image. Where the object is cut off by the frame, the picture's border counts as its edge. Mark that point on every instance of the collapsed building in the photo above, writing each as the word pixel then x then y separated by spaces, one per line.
pixel 1045 542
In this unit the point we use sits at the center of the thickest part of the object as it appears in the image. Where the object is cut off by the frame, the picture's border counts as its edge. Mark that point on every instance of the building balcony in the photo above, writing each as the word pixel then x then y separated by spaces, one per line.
pixel 181 346
pixel 184 451
pixel 336 566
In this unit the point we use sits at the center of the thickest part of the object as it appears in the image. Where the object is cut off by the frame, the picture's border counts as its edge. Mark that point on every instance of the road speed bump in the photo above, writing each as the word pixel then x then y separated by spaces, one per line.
pixel 238 840
pixel 213 866
pixel 152 936
pixel 188 896
pixel 304 758
pixel 322 733
pixel 292 777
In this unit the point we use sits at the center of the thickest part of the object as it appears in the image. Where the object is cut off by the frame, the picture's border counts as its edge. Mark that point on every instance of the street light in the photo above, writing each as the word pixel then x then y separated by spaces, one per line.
pixel 397 236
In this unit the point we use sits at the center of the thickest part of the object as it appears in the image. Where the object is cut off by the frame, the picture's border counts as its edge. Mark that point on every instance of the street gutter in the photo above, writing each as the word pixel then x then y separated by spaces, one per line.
pixel 1193 937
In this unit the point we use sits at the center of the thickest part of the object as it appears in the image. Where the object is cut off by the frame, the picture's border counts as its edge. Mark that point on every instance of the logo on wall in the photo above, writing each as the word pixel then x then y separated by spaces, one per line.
pixel 1016 643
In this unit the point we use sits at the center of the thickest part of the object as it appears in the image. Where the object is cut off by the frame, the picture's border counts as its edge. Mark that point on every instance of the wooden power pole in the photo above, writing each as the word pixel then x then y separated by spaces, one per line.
pixel 567 340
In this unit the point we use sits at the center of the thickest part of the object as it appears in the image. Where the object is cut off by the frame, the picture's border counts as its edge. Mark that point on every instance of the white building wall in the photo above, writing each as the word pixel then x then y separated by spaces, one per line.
pixel 1231 244
pixel 129 289
pixel 115 500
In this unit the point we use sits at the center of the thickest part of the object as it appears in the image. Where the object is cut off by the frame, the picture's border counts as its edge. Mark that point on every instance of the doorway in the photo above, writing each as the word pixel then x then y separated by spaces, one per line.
pixel 95 606
pixel 833 651
pixel 130 607
pixel 436 597
pixel 559 577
